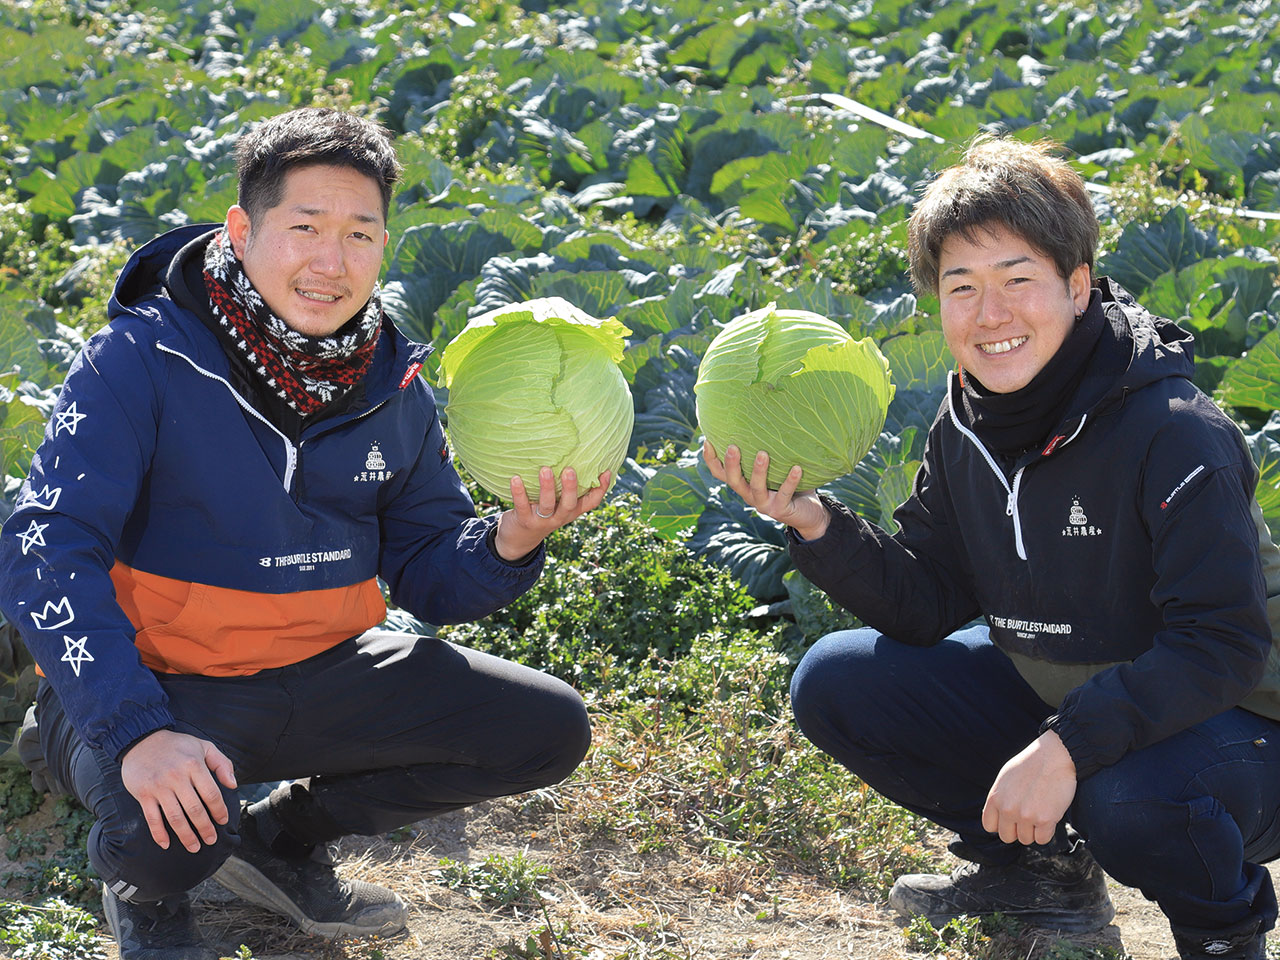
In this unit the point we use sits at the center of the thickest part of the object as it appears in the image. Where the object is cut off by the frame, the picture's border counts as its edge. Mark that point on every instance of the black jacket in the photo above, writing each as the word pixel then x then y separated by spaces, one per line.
pixel 1117 564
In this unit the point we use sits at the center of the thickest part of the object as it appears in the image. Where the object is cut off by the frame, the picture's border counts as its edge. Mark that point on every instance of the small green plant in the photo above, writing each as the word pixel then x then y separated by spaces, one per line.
pixel 499 880
pixel 962 933
pixel 997 937
pixel 17 799
pixel 20 844
pixel 613 593
pixel 52 930
pixel 1065 950
pixel 64 874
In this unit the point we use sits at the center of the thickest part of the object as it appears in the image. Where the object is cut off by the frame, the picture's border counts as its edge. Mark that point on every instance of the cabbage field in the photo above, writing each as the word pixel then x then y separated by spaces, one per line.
pixel 673 164
pixel 670 163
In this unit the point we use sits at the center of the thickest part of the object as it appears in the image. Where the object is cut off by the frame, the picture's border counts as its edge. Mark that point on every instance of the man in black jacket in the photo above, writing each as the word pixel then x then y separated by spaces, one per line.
pixel 1081 494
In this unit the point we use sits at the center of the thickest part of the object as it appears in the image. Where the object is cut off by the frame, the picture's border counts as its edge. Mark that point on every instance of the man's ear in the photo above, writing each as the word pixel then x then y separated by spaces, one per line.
pixel 1080 284
pixel 238 228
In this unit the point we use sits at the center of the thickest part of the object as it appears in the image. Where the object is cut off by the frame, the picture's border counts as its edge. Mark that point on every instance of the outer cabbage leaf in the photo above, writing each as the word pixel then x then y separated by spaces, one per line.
pixel 537 384
pixel 1253 381
pixel 796 385
pixel 676 496
pixel 753 548
pixel 1145 251
pixel 1265 447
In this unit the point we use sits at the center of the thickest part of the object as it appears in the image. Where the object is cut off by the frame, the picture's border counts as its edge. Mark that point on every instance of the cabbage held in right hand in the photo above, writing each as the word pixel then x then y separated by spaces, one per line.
pixel 796 385
pixel 537 384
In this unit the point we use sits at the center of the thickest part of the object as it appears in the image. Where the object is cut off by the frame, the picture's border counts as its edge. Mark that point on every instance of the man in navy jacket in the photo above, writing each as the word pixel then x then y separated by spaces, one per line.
pixel 193 562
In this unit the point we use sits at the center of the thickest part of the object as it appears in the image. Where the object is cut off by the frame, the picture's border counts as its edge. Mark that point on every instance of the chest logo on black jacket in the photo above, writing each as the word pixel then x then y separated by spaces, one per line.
pixel 375 467
pixel 1078 524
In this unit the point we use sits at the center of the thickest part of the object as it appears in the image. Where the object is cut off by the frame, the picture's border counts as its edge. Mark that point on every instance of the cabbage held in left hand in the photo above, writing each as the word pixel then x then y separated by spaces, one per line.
pixel 537 384
pixel 796 385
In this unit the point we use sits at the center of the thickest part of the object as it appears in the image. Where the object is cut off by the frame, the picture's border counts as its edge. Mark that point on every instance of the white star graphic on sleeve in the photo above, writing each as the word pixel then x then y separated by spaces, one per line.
pixel 33 536
pixel 67 420
pixel 76 653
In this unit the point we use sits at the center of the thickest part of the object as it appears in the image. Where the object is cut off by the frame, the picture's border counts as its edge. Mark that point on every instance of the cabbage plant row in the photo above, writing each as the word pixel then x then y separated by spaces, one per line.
pixel 673 163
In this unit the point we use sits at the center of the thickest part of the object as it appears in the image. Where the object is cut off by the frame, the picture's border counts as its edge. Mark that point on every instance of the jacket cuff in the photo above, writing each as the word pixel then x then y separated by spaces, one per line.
pixel 130 729
pixel 835 541
pixel 527 568
pixel 491 541
pixel 1075 739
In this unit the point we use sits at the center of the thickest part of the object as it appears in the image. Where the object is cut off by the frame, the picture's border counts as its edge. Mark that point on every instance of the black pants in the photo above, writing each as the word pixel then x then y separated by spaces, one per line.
pixel 391 728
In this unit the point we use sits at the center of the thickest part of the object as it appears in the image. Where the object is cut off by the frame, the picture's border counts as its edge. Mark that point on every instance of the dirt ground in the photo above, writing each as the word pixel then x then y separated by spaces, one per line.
pixel 605 902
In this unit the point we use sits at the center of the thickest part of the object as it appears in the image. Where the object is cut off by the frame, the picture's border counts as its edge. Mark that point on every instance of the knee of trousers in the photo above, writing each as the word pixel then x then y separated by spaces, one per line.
pixel 1154 842
pixel 136 868
pixel 563 737
pixel 837 685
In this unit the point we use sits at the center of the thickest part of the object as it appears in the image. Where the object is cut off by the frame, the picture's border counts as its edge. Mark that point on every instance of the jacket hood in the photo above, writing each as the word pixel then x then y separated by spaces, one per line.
pixel 1160 347
pixel 143 275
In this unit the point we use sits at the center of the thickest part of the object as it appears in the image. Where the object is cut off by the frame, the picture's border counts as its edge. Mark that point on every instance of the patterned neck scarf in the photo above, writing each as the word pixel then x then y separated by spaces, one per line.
pixel 307 372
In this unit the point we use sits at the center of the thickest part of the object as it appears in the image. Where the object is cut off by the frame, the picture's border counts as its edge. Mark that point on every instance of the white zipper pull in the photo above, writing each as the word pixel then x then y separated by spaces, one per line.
pixel 1008 505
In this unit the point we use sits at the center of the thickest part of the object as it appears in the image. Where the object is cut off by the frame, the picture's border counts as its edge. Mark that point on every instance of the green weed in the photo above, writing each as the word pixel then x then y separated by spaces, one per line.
pixel 996 937
pixel 51 930
pixel 64 874
pixel 962 933
pixel 498 880
pixel 613 594
pixel 17 799
pixel 702 756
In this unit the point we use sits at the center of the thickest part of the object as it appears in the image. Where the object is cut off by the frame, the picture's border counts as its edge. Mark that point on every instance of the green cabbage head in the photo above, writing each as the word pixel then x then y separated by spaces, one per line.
pixel 537 384
pixel 796 385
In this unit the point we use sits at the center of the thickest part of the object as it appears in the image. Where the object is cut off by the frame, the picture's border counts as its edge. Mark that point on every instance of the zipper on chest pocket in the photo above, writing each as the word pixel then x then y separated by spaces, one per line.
pixel 1011 510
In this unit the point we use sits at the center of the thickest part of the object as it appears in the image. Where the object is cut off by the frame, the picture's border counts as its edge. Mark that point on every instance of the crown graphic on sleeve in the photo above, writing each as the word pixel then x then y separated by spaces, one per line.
pixel 46 499
pixel 60 609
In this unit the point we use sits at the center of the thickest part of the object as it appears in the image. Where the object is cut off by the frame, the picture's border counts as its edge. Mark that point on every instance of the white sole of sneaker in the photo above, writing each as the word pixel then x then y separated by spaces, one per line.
pixel 248 883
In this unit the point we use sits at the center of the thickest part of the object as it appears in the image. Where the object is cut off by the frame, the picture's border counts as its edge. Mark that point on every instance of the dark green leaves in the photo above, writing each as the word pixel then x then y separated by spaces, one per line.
pixel 667 162
pixel 1146 251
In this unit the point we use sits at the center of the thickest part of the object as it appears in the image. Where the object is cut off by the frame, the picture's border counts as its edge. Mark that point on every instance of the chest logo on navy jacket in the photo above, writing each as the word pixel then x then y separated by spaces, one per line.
pixel 375 467
pixel 1078 524
pixel 306 561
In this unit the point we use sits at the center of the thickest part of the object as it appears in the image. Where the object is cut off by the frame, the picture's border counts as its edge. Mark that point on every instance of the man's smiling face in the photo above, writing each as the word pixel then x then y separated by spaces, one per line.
pixel 1005 308
pixel 315 256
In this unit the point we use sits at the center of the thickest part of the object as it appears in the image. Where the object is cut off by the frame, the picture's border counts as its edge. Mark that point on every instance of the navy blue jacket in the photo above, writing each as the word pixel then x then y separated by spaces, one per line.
pixel 153 461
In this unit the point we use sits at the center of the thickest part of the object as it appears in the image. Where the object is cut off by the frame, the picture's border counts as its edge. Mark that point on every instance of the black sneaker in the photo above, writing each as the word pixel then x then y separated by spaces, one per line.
pixel 1243 942
pixel 307 891
pixel 1065 892
pixel 155 931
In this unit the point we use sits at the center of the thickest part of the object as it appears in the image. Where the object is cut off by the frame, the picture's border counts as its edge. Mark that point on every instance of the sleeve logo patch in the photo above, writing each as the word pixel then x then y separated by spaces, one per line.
pixel 1164 504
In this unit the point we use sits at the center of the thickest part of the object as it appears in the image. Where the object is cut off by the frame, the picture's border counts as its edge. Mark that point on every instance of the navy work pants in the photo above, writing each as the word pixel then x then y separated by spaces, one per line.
pixel 391 728
pixel 1187 820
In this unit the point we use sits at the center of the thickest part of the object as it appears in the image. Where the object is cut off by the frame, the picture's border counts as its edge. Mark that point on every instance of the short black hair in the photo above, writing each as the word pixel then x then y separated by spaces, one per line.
pixel 311 136
pixel 1003 182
